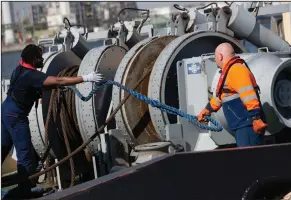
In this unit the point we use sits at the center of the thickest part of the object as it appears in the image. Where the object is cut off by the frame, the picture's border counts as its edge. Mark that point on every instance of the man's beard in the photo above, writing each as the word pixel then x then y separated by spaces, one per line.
pixel 38 63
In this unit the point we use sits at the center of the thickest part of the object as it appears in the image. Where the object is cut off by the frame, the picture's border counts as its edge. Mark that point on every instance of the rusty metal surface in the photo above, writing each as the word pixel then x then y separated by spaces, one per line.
pixel 116 92
pixel 135 112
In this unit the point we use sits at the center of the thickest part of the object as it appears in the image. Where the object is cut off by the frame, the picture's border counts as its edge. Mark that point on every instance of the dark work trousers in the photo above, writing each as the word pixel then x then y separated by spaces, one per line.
pixel 15 131
pixel 246 136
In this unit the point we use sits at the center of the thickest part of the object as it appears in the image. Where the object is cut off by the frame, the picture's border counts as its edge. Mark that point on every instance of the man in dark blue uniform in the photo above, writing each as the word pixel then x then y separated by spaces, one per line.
pixel 25 88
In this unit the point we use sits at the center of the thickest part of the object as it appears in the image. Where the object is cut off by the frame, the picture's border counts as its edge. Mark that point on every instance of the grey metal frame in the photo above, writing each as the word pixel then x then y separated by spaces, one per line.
pixel 274 10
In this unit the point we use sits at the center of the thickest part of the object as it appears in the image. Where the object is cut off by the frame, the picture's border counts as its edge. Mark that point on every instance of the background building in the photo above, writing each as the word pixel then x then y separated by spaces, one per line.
pixel 56 12
pixel 101 14
pixel 32 20
pixel 39 13
pixel 7 22
pixel 84 12
pixel 39 16
pixel 107 12
pixel 89 14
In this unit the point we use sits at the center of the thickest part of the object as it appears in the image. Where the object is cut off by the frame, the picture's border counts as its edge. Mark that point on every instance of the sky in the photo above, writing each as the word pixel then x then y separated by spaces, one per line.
pixel 18 6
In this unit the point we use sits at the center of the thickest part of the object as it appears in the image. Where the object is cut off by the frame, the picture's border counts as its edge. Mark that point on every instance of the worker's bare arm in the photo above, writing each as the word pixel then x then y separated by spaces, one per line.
pixel 52 81
pixel 57 81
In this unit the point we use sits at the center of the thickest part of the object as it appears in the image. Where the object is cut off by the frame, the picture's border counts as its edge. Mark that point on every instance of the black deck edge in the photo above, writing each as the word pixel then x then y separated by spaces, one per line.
pixel 219 174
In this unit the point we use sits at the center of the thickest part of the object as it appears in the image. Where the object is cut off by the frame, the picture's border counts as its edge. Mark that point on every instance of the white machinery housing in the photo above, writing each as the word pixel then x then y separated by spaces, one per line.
pixel 197 80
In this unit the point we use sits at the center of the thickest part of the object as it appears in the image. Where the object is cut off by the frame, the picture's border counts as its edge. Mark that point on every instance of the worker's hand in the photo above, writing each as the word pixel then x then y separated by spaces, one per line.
pixel 204 112
pixel 259 126
pixel 93 77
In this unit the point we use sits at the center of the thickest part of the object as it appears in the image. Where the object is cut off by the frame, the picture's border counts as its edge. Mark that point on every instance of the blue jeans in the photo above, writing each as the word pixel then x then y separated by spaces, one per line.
pixel 246 136
pixel 15 131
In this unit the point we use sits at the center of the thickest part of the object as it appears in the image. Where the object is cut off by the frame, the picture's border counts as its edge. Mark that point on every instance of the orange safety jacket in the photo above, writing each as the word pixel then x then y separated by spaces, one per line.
pixel 237 93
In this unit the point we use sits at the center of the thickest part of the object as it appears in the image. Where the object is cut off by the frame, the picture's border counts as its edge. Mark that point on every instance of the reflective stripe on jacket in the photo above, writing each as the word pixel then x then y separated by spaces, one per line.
pixel 238 97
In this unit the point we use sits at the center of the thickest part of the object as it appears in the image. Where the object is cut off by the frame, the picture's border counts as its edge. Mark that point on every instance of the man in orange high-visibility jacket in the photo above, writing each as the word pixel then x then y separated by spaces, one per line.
pixel 237 94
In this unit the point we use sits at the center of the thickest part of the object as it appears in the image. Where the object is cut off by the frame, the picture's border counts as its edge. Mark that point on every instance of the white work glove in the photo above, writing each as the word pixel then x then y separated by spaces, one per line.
pixel 93 77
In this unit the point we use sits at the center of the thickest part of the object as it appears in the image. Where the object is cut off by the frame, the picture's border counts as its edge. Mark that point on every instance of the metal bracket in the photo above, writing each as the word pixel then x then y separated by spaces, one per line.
pixel 222 19
pixel 119 148
pixel 68 41
pixel 179 21
pixel 263 49
pixel 128 33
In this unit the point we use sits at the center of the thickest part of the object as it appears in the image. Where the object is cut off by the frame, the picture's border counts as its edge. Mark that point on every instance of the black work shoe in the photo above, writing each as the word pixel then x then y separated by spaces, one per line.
pixel 22 193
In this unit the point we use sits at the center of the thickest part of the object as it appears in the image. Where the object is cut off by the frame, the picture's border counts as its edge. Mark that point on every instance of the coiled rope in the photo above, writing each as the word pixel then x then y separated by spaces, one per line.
pixel 62 111
pixel 154 103
pixel 97 133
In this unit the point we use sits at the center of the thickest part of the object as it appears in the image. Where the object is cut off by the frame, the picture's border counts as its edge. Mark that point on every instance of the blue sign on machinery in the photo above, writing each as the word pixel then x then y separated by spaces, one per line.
pixel 194 68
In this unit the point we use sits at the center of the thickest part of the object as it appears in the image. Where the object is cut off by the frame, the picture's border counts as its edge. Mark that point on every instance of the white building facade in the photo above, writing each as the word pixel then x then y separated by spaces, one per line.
pixel 56 12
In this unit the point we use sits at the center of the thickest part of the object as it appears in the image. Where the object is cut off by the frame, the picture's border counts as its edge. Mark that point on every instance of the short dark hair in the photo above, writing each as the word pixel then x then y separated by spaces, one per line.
pixel 30 53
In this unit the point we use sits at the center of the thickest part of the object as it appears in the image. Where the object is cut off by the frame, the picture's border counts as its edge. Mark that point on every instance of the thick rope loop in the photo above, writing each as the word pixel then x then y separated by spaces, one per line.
pixel 168 109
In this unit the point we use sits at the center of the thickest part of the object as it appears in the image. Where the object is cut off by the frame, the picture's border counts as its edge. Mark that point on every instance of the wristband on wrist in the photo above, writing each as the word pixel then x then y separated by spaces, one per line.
pixel 256 117
pixel 208 107
pixel 84 78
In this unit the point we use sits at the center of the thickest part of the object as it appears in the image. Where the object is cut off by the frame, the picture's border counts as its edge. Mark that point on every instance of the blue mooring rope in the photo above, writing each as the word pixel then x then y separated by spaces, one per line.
pixel 154 103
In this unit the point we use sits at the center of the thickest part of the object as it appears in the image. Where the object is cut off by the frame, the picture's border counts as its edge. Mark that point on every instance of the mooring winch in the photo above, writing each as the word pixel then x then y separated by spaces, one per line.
pixel 178 69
